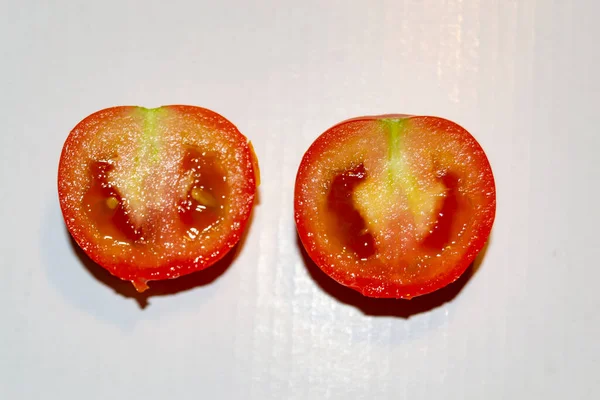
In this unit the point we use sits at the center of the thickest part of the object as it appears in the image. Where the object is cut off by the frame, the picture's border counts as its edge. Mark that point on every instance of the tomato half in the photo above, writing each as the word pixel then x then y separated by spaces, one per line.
pixel 394 206
pixel 151 194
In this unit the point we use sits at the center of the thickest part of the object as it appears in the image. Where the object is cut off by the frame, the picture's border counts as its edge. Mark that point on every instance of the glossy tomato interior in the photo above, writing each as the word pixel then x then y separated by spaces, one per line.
pixel 394 206
pixel 156 193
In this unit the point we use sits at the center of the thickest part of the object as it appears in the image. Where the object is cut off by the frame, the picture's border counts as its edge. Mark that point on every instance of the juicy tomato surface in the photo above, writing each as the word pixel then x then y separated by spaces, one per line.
pixel 394 206
pixel 152 194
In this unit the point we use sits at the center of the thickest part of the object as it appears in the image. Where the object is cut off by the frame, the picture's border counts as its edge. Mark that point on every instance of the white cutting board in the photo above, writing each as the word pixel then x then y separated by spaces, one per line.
pixel 521 76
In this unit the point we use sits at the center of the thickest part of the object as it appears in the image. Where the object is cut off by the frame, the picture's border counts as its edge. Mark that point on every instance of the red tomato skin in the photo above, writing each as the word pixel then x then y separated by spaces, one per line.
pixel 168 268
pixel 376 286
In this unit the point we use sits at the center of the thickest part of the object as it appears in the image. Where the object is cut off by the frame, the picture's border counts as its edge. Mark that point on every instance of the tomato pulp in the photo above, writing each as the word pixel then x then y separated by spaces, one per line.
pixel 394 206
pixel 152 194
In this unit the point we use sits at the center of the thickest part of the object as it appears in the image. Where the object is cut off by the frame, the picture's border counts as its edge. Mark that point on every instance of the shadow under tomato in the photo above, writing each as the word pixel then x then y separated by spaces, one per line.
pixel 399 308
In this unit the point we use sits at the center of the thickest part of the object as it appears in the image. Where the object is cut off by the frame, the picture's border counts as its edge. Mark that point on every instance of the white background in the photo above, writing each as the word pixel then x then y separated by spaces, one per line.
pixel 522 76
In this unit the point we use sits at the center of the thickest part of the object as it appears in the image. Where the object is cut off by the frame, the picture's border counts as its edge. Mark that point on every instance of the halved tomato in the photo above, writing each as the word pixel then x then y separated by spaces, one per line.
pixel 151 194
pixel 394 206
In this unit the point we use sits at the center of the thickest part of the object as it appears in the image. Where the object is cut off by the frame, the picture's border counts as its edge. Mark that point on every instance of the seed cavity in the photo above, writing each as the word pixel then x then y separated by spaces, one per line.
pixel 106 208
pixel 204 205
pixel 441 233
pixel 350 224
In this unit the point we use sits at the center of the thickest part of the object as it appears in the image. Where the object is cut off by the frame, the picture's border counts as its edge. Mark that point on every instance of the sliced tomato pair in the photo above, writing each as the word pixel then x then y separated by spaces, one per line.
pixel 394 206
pixel 151 194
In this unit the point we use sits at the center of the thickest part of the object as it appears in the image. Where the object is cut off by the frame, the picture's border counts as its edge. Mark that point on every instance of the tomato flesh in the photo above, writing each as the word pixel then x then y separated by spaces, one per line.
pixel 152 194
pixel 394 206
